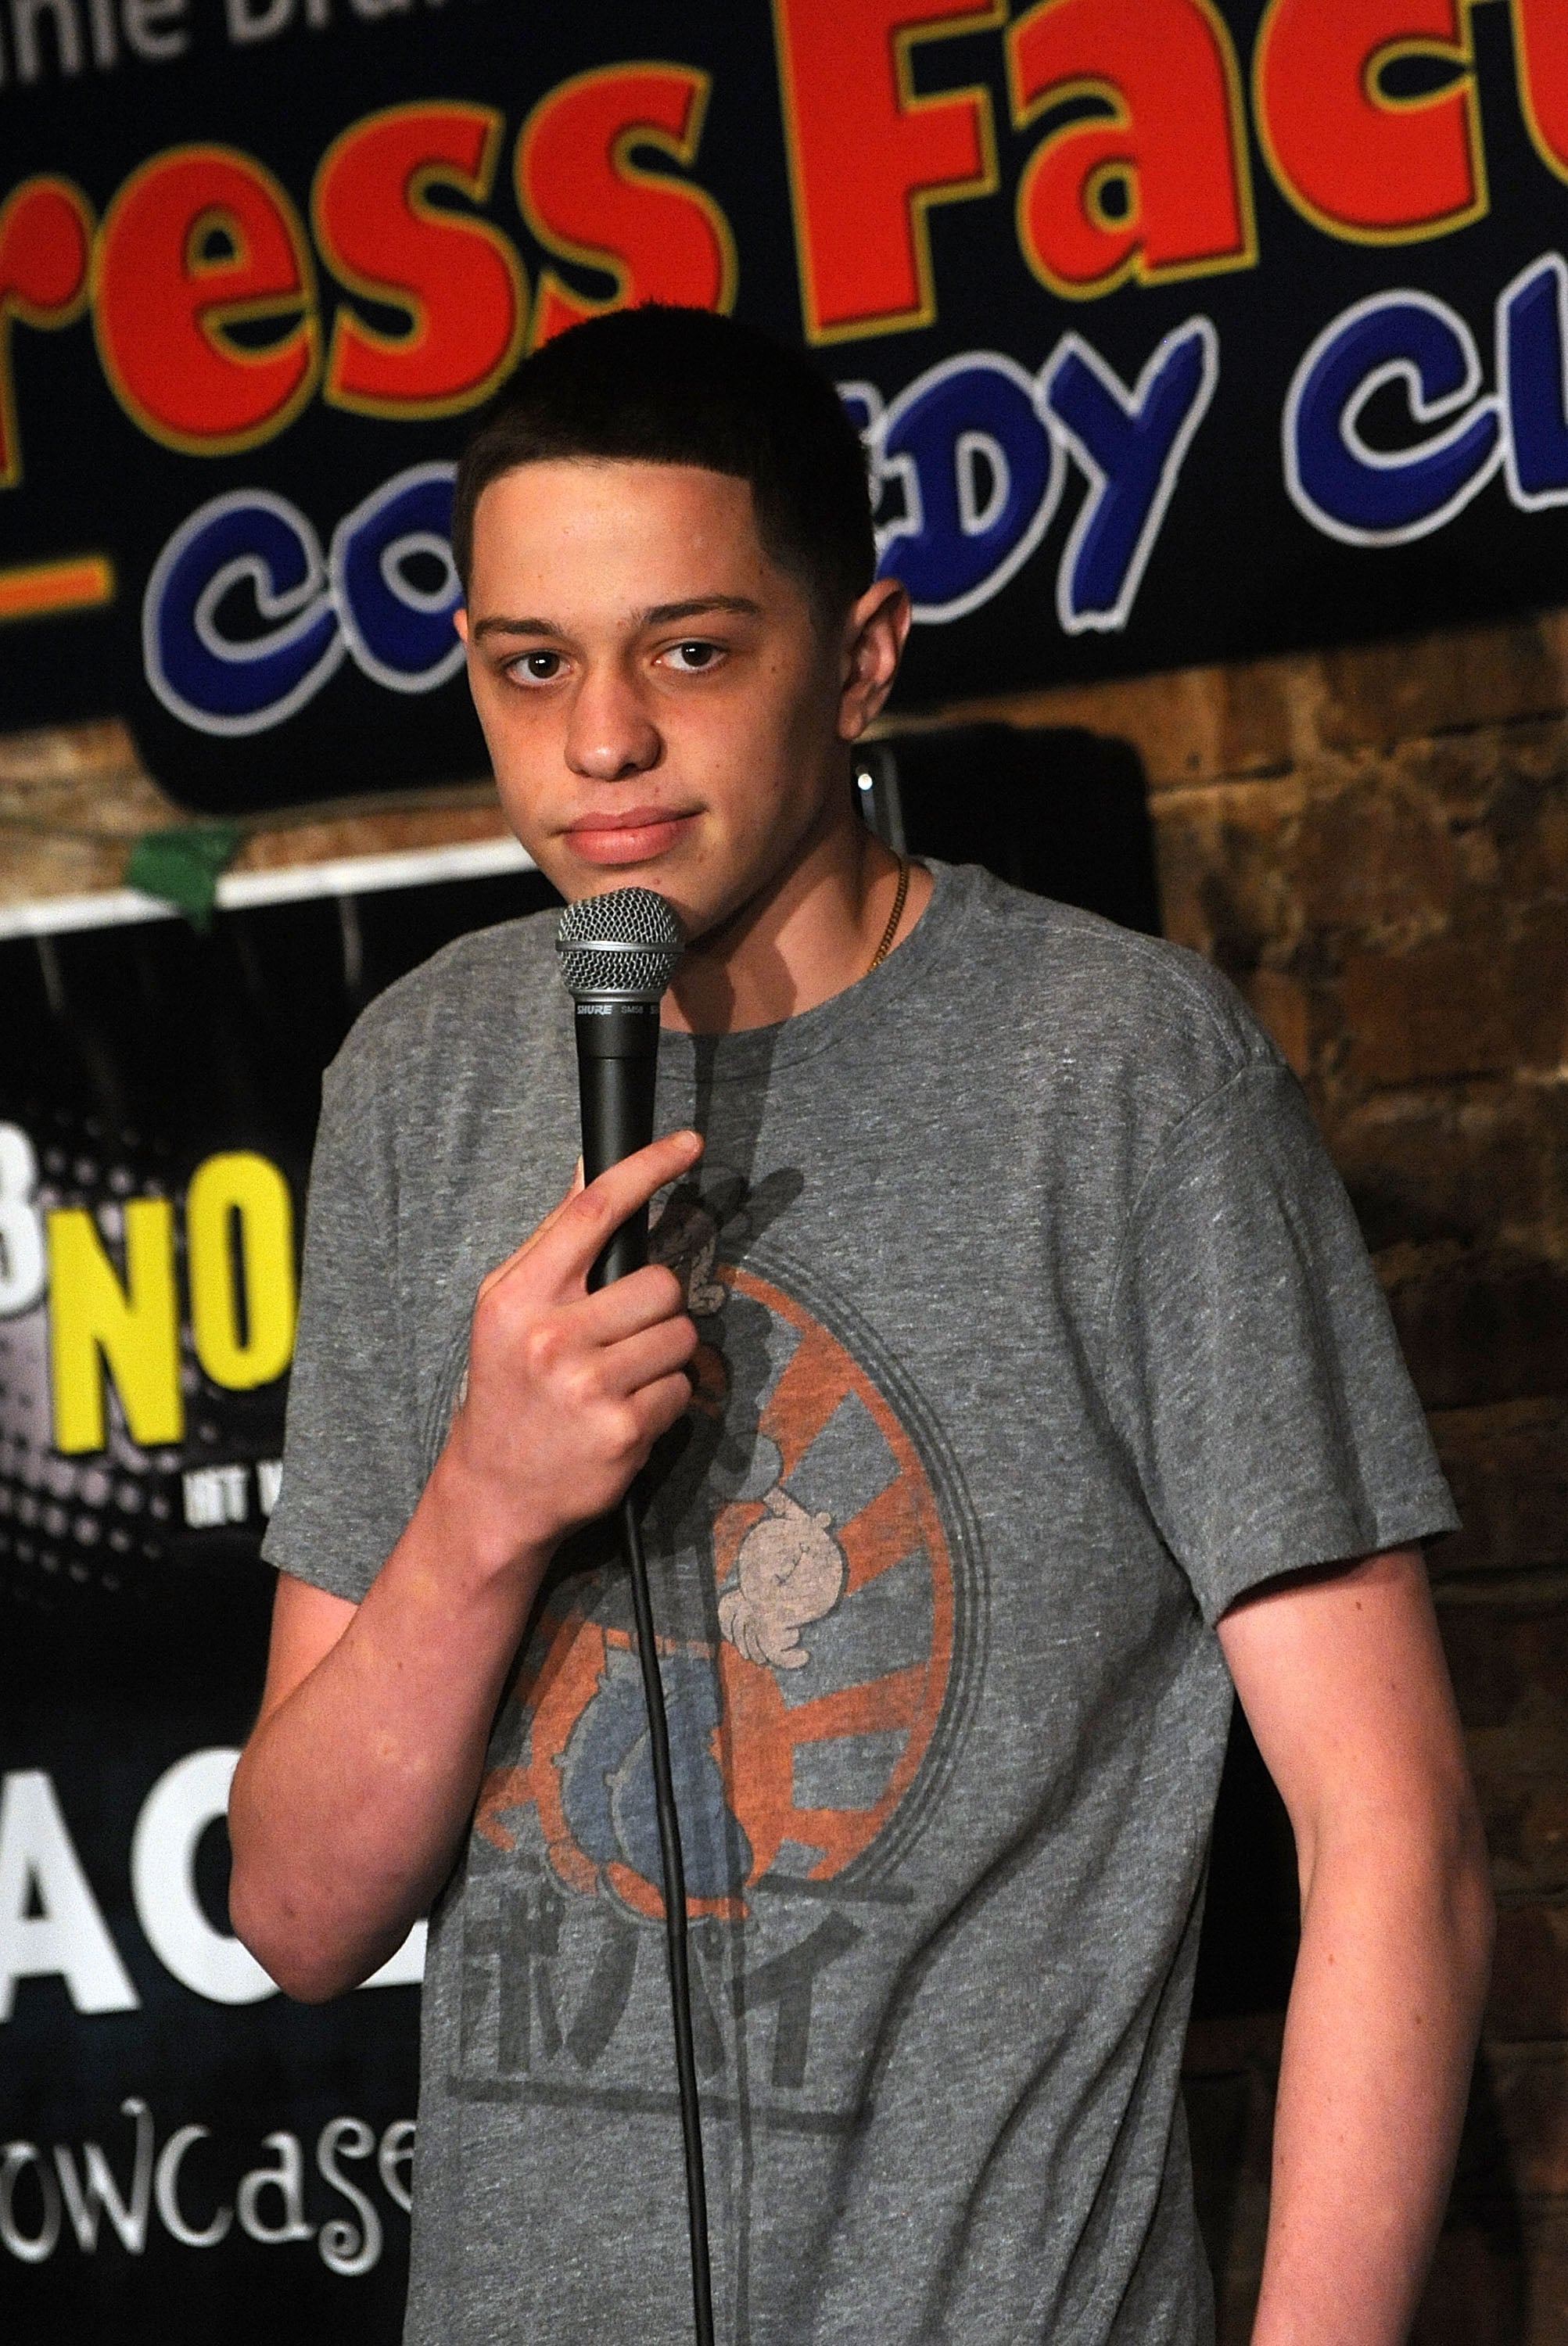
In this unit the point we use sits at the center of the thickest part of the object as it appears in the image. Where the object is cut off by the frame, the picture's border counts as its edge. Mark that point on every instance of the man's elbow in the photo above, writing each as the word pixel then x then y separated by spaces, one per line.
pixel 303 1966
pixel 1415 1858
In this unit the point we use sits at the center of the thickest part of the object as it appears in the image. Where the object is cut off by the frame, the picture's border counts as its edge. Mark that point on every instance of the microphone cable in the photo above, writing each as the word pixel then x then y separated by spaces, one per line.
pixel 617 953
pixel 675 1932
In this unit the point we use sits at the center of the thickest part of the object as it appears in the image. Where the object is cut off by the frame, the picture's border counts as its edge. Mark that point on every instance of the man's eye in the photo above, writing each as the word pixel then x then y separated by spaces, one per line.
pixel 537 668
pixel 691 657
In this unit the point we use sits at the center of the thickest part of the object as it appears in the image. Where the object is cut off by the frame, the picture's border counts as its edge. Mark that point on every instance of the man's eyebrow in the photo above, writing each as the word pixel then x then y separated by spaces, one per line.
pixel 657 614
pixel 661 615
pixel 501 626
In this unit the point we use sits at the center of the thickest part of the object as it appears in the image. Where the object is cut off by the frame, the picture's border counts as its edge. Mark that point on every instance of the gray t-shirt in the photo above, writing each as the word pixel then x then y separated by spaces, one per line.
pixel 1035 1328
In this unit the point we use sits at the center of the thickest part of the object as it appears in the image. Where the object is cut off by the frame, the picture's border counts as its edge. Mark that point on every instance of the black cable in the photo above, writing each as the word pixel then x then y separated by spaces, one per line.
pixel 674 1872
pixel 618 952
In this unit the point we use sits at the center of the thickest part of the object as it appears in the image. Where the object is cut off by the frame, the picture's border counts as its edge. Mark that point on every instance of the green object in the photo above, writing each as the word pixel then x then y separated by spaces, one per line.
pixel 184 866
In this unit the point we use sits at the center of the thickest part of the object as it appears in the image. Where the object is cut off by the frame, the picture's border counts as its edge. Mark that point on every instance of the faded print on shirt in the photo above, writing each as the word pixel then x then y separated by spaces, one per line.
pixel 816 1586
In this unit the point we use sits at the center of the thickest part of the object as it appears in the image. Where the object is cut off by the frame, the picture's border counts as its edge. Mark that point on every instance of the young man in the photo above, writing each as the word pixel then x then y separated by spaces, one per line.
pixel 1012 1382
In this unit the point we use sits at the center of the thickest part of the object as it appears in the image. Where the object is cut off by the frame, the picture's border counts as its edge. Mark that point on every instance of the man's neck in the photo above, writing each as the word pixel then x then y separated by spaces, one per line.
pixel 811 933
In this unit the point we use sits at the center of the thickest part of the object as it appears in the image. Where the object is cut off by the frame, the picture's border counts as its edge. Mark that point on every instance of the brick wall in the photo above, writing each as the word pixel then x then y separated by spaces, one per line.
pixel 1374 845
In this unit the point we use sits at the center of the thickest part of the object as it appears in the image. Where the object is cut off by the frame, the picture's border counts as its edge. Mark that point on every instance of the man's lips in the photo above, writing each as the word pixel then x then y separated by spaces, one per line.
pixel 631 835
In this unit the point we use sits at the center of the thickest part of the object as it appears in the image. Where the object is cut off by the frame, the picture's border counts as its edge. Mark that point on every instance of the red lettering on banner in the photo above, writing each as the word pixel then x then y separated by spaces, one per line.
pixel 1358 163
pixel 199 242
pixel 868 158
pixel 586 200
pixel 458 279
pixel 1541 60
pixel 1171 142
pixel 45 242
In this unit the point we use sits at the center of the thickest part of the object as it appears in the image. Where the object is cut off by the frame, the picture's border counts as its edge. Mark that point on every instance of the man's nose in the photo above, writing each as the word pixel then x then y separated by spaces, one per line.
pixel 611 733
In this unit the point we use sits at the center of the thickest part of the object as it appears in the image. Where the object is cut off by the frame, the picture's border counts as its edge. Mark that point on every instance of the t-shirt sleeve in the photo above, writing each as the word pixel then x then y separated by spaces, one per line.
pixel 350 1473
pixel 1254 1370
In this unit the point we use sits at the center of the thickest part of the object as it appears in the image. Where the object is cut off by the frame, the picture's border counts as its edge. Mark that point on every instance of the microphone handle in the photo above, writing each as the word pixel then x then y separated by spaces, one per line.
pixel 618 1068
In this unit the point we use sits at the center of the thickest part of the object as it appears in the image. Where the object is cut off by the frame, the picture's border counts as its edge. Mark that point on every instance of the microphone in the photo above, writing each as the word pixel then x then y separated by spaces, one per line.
pixel 617 953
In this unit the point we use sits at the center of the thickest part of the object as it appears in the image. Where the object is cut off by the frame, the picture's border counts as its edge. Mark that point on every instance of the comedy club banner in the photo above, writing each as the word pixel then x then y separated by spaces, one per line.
pixel 1177 331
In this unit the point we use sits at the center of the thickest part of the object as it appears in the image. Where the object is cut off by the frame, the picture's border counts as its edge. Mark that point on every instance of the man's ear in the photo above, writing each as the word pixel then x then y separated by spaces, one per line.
pixel 460 621
pixel 873 642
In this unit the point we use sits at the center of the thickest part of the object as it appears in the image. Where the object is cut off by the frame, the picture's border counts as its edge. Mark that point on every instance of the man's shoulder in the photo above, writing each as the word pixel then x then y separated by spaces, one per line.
pixel 459 993
pixel 1073 979
pixel 482 1012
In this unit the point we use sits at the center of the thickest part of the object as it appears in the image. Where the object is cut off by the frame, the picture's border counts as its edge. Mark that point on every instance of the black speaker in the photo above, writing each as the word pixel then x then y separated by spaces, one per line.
pixel 1054 808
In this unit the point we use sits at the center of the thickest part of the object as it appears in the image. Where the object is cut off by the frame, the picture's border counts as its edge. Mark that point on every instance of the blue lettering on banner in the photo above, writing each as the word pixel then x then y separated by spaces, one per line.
pixel 974 453
pixel 1373 496
pixel 245 618
pixel 225 683
pixel 1132 445
pixel 400 629
pixel 981 477
pixel 864 404
pixel 244 621
pixel 1532 381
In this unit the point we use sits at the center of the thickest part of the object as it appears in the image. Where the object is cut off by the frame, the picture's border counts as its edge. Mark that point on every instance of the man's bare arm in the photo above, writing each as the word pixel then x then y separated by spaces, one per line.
pixel 355 1787
pixel 1343 1679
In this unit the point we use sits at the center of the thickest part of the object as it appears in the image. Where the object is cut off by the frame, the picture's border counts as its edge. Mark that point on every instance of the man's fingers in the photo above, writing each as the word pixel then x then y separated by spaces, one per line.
pixel 650 1355
pixel 646 1298
pixel 581 1228
pixel 574 1189
pixel 662 1405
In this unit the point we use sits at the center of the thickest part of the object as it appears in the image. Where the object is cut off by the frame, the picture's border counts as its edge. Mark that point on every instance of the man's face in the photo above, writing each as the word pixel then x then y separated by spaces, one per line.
pixel 661 704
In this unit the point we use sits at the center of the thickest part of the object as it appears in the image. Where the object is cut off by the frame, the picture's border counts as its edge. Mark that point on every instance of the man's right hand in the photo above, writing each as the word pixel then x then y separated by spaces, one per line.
pixel 567 1391
pixel 354 1791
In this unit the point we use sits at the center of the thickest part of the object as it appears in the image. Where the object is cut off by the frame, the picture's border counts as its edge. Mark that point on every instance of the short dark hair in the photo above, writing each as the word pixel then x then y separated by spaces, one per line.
pixel 668 386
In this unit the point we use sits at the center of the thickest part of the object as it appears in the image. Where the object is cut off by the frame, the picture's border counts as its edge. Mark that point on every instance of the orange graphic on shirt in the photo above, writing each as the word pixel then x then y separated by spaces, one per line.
pixel 780 1568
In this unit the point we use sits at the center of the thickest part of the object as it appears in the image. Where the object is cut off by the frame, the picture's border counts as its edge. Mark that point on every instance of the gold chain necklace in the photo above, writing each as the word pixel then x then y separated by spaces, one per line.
pixel 895 917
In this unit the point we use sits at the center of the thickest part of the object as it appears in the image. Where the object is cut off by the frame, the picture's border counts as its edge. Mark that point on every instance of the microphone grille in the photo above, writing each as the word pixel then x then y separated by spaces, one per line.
pixel 625 942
